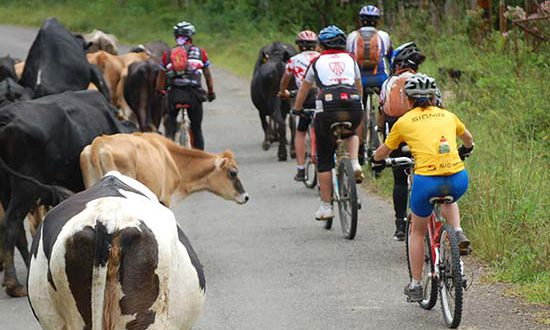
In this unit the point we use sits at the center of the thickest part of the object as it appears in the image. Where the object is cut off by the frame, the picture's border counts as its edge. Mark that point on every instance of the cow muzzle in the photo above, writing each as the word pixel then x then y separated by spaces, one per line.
pixel 242 198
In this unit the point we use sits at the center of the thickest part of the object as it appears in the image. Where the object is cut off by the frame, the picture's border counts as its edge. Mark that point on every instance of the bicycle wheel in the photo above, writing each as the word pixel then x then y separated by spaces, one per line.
pixel 347 204
pixel 328 224
pixel 292 126
pixel 310 167
pixel 450 273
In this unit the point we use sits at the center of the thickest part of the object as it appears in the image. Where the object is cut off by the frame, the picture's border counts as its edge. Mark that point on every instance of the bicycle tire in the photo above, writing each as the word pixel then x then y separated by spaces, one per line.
pixel 347 205
pixel 407 234
pixel 450 274
pixel 310 167
pixel 292 126
pixel 328 224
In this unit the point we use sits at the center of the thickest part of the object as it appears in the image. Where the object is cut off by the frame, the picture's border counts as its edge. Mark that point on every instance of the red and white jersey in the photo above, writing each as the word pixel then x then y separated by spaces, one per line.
pixel 297 65
pixel 333 67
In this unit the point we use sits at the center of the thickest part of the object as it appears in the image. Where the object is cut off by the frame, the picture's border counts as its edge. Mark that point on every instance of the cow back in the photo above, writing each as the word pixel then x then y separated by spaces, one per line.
pixel 43 138
pixel 56 62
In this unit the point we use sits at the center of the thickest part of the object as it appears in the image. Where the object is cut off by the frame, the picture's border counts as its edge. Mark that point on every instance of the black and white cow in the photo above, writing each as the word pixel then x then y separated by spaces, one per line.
pixel 113 257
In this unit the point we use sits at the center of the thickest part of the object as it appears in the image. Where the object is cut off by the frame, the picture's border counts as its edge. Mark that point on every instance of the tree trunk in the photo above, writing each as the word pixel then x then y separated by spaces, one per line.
pixel 502 22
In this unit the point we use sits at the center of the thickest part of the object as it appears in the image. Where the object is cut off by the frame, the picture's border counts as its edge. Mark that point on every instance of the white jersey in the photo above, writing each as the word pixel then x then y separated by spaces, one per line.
pixel 298 64
pixel 334 68
pixel 384 44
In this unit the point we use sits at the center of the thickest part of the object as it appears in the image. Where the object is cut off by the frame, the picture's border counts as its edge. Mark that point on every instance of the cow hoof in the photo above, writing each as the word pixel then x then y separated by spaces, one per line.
pixel 266 145
pixel 16 291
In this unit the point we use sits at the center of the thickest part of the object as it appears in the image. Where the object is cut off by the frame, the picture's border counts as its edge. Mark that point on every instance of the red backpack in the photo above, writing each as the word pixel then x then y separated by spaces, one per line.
pixel 179 61
pixel 368 50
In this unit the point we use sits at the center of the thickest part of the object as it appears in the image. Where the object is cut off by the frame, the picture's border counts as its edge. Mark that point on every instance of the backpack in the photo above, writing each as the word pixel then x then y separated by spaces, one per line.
pixel 368 50
pixel 178 60
pixel 396 101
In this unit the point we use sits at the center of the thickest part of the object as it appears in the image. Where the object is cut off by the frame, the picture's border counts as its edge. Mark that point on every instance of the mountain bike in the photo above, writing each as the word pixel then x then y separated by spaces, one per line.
pixel 184 136
pixel 443 270
pixel 371 139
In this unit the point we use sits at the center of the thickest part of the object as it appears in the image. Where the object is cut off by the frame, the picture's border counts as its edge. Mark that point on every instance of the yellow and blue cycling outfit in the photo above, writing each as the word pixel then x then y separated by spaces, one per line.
pixel 431 135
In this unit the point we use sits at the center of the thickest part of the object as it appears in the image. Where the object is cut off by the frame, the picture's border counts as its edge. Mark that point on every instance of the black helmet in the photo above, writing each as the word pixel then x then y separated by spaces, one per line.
pixel 406 55
pixel 184 29
pixel 332 37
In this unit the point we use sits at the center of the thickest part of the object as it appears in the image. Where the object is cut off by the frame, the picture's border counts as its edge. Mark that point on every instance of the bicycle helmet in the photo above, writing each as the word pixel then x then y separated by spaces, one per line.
pixel 420 86
pixel 332 37
pixel 307 39
pixel 184 29
pixel 406 55
pixel 369 12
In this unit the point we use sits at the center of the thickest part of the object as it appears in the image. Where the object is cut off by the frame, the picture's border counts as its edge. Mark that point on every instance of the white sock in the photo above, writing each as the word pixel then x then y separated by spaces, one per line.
pixel 300 167
pixel 355 163
pixel 415 283
pixel 458 229
pixel 326 205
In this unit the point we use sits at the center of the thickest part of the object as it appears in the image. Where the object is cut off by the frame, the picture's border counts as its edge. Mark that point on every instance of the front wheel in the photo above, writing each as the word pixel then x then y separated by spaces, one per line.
pixel 347 203
pixel 450 273
pixel 309 166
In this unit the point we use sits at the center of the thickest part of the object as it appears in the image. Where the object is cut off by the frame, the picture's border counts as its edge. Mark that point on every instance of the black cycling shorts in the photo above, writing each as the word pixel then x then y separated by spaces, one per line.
pixel 326 142
pixel 304 122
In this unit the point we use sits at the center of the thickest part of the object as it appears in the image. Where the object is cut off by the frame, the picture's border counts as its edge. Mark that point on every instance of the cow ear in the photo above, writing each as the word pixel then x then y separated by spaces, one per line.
pixel 220 162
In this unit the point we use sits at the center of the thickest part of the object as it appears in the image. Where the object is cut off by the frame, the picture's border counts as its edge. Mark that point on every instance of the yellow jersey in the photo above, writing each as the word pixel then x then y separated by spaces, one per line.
pixel 431 135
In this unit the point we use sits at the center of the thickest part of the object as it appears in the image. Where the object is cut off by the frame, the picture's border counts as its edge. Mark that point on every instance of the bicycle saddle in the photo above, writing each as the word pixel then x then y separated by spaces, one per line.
pixel 341 124
pixel 442 200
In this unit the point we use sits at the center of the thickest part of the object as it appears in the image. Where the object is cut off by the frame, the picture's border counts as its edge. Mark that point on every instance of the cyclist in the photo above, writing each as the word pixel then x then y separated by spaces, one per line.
pixel 372 49
pixel 439 170
pixel 296 67
pixel 184 87
pixel 338 79
pixel 394 103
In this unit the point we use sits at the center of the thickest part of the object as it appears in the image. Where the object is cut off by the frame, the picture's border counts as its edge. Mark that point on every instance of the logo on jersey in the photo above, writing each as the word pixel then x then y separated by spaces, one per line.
pixel 337 67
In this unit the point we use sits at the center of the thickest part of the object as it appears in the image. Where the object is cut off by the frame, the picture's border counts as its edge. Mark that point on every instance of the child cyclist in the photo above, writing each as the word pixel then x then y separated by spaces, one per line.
pixel 430 132
pixel 296 67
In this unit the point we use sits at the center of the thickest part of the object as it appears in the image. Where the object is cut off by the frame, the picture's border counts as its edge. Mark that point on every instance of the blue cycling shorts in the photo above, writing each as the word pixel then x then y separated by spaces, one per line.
pixel 425 187
pixel 373 80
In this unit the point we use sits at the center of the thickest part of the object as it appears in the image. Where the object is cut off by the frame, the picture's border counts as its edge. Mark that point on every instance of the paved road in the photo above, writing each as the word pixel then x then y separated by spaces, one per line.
pixel 269 264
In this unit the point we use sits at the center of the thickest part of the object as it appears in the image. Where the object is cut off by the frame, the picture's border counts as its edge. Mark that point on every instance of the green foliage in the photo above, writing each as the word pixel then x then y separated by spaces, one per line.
pixel 502 96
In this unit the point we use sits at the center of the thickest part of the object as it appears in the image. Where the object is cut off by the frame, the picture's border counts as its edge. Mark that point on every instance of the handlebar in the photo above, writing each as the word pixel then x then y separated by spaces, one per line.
pixel 399 161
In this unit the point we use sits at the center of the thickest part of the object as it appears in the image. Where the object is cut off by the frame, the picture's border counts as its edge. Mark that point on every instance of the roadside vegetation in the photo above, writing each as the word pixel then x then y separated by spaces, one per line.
pixel 502 96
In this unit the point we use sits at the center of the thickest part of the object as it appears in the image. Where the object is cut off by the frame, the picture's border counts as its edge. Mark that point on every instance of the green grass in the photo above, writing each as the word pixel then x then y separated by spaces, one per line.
pixel 502 98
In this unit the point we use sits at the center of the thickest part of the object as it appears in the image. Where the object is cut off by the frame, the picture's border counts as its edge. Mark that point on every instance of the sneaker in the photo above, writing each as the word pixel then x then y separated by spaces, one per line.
pixel 463 243
pixel 300 175
pixel 324 212
pixel 414 294
pixel 399 234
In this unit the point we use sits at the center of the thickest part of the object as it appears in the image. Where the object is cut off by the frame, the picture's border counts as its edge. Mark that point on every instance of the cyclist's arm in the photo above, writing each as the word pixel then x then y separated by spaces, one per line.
pixel 284 82
pixel 302 94
pixel 467 138
pixel 382 152
pixel 209 80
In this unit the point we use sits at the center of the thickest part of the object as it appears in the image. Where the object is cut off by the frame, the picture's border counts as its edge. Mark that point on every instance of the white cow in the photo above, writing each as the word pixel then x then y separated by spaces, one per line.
pixel 113 257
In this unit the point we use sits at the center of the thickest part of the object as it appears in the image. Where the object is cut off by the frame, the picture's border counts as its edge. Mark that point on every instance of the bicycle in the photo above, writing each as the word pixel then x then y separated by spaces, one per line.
pixel 443 270
pixel 344 188
pixel 371 138
pixel 184 136
pixel 310 164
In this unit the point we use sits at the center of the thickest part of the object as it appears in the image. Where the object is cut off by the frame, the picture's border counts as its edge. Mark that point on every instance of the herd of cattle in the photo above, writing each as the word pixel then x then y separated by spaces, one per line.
pixel 111 256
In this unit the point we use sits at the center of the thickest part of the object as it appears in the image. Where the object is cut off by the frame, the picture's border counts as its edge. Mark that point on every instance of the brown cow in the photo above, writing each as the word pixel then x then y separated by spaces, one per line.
pixel 166 168
pixel 111 66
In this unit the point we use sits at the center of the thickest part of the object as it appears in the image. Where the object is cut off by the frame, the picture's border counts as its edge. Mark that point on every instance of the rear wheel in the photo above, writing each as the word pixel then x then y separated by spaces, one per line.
pixel 292 126
pixel 372 138
pixel 450 273
pixel 347 204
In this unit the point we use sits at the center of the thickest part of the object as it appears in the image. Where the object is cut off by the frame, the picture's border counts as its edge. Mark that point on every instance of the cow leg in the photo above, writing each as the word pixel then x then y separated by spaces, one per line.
pixel 281 130
pixel 15 214
pixel 22 244
pixel 265 126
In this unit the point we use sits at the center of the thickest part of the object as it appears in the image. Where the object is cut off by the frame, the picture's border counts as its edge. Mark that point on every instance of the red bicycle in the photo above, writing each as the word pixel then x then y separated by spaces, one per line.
pixel 443 270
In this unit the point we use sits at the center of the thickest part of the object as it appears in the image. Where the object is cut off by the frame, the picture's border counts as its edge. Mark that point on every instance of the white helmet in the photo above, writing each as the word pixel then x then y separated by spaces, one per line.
pixel 420 85
pixel 184 29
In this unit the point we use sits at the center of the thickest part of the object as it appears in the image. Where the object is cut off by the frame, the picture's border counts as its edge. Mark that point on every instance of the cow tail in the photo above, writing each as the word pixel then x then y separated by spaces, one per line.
pixel 111 306
pixel 49 194
pixel 96 78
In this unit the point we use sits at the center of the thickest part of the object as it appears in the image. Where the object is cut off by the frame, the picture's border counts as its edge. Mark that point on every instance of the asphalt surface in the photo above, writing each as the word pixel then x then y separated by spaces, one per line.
pixel 269 264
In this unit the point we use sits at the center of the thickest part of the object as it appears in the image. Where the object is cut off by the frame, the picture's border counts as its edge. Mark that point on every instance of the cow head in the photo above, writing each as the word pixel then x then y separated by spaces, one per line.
pixel 7 68
pixel 224 181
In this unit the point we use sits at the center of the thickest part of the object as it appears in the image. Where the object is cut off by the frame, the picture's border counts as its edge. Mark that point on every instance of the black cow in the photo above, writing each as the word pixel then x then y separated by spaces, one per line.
pixel 57 63
pixel 10 90
pixel 140 94
pixel 41 142
pixel 266 78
